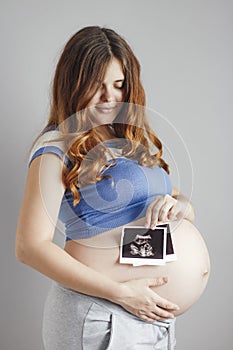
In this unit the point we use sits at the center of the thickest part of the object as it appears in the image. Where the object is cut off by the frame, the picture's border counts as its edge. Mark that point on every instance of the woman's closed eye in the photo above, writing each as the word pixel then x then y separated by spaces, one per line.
pixel 119 87
pixel 119 84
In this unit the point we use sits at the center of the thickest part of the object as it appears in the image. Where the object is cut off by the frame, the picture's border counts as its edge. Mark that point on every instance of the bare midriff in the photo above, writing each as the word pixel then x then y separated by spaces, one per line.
pixel 187 276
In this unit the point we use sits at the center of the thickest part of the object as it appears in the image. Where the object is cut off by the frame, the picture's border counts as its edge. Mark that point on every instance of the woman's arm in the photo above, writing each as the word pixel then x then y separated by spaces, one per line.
pixel 38 215
pixel 37 219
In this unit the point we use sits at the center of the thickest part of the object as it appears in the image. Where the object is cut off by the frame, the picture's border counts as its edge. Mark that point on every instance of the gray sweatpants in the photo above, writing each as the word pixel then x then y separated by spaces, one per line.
pixel 75 321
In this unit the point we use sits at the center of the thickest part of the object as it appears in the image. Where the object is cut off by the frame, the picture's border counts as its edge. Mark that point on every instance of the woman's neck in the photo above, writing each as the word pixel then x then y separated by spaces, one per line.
pixel 107 132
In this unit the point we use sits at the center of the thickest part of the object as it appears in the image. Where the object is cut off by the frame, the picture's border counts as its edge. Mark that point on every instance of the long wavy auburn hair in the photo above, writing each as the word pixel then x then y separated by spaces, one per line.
pixel 78 75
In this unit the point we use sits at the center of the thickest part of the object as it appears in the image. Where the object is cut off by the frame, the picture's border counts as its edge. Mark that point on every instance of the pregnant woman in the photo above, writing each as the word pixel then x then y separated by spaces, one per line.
pixel 92 167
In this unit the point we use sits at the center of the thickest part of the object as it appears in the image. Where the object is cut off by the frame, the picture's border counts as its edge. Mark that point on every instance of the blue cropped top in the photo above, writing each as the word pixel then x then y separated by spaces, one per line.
pixel 106 204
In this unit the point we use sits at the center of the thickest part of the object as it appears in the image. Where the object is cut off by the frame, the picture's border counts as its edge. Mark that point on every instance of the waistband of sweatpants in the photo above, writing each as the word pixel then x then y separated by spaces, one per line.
pixel 113 307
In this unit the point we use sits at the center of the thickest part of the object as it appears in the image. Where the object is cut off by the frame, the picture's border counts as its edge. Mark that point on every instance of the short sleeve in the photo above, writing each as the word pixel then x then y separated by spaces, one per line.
pixel 45 144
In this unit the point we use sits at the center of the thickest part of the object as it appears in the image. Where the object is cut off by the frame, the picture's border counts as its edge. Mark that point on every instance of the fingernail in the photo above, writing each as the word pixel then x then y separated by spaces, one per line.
pixel 165 279
pixel 146 225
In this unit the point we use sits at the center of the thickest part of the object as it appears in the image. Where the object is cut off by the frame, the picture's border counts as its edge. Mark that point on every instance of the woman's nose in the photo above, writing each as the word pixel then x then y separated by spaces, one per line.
pixel 107 95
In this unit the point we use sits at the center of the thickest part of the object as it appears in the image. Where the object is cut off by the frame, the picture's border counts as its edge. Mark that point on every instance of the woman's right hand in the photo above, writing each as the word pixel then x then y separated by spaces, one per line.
pixel 138 298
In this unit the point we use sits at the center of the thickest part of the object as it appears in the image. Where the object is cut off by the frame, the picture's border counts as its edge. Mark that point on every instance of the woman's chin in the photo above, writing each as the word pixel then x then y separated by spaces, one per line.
pixel 102 116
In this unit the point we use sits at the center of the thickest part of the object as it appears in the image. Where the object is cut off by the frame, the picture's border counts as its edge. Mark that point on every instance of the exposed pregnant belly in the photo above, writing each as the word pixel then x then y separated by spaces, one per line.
pixel 187 276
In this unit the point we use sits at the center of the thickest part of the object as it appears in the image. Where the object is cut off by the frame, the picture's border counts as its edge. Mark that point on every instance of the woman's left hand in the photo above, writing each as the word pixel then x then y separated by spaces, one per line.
pixel 167 208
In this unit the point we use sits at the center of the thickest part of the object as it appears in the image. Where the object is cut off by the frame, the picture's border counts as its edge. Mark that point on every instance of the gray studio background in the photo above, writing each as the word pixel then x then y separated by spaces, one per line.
pixel 185 49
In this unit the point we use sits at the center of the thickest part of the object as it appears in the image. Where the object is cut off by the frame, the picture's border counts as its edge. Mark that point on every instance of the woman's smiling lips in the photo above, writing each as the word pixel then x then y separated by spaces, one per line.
pixel 106 109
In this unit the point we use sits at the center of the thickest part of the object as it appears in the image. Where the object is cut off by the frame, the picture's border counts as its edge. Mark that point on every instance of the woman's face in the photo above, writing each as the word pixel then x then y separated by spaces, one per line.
pixel 105 104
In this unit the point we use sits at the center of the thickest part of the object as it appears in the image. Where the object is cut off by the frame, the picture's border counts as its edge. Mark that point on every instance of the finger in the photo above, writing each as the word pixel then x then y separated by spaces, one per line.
pixel 171 215
pixel 148 216
pixel 155 313
pixel 156 317
pixel 164 211
pixel 149 212
pixel 181 210
pixel 178 213
pixel 155 212
pixel 162 313
pixel 166 305
pixel 168 206
pixel 158 281
pixel 148 318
